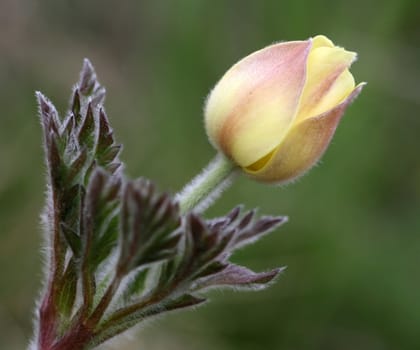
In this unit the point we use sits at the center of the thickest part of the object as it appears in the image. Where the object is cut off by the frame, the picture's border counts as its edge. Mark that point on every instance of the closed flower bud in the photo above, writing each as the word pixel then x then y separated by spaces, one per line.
pixel 275 111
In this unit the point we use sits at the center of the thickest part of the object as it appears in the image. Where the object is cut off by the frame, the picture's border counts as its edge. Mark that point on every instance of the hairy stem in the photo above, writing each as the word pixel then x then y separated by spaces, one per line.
pixel 206 187
pixel 48 311
pixel 128 316
pixel 105 301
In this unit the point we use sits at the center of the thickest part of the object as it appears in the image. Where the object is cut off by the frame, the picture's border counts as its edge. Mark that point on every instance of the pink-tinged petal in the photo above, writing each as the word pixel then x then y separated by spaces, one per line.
pixel 303 146
pixel 257 99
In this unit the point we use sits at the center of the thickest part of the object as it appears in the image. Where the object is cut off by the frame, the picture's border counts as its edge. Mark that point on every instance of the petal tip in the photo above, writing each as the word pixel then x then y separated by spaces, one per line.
pixel 357 90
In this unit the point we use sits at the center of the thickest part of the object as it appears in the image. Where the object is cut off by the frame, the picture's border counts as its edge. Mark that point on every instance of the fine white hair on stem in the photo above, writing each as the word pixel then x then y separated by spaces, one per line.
pixel 207 186
pixel 214 195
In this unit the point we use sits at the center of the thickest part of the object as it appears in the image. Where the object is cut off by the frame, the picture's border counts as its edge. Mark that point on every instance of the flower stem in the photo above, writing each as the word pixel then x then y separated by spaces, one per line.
pixel 206 187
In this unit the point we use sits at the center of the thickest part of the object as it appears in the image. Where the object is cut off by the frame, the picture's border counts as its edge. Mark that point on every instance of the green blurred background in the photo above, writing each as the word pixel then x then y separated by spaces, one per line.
pixel 352 245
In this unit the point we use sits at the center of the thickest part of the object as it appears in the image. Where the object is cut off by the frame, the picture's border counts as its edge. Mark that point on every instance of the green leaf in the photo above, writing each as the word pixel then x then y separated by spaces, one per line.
pixel 72 239
pixel 86 134
pixel 68 289
pixel 149 221
pixel 137 285
pixel 184 301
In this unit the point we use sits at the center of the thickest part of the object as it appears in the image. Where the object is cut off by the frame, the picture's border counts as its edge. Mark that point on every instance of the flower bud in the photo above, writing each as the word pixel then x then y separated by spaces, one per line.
pixel 274 112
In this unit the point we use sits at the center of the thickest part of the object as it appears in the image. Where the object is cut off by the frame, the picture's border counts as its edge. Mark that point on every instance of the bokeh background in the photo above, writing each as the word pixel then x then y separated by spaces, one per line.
pixel 352 245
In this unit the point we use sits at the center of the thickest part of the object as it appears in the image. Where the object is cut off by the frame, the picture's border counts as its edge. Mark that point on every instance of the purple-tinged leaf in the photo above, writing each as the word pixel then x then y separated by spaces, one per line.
pixel 106 138
pixel 106 243
pixel 48 114
pixel 69 196
pixel 89 171
pixel 68 126
pixel 55 164
pixel 86 133
pixel 88 79
pixel 260 228
pixel 218 224
pixel 94 191
pixel 114 327
pixel 109 155
pixel 148 224
pixel 98 96
pixel 114 188
pixel 89 86
pixel 198 231
pixel 75 106
pixel 246 220
pixel 234 214
pixel 72 239
pixel 68 290
pixel 267 223
pixel 76 165
pixel 113 168
pixel 170 242
pixel 184 301
pixel 238 276
pixel 211 269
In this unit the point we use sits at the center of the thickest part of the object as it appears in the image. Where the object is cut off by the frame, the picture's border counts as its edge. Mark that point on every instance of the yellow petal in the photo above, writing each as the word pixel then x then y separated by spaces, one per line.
pixel 328 81
pixel 302 147
pixel 251 108
pixel 321 41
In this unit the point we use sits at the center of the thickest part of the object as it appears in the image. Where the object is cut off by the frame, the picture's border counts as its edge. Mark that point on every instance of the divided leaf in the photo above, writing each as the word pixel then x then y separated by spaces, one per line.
pixel 164 257
pixel 149 225
pixel 100 219
pixel 75 148
pixel 238 277
pixel 209 244
pixel 206 247
pixel 89 86
pixel 84 189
